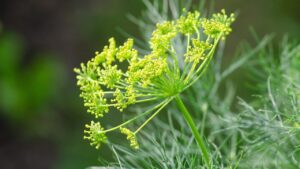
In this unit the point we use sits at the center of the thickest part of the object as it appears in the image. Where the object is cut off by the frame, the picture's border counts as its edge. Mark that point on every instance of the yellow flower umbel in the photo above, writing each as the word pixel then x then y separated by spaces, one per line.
pixel 131 137
pixel 95 134
pixel 155 77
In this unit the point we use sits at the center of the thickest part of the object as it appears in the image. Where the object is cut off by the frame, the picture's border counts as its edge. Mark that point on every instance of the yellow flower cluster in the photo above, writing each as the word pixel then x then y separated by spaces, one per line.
pixel 107 56
pixel 91 92
pixel 145 70
pixel 196 52
pixel 189 24
pixel 95 134
pixel 219 24
pixel 110 76
pixel 156 76
pixel 131 137
pixel 161 38
pixel 126 51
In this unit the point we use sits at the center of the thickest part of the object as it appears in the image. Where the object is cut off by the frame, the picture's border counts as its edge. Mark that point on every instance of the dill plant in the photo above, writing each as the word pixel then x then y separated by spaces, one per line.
pixel 262 133
pixel 172 146
pixel 159 76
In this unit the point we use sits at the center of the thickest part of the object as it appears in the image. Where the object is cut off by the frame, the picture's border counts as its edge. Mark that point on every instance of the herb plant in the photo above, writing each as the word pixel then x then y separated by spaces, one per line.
pixel 158 77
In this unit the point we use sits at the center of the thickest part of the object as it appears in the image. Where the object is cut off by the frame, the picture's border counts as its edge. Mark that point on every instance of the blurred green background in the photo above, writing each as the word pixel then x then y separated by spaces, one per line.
pixel 41 114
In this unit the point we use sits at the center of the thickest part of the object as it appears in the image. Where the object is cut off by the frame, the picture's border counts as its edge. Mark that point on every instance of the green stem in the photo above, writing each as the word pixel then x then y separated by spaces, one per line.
pixel 190 73
pixel 136 117
pixel 194 129
pixel 204 65
pixel 152 116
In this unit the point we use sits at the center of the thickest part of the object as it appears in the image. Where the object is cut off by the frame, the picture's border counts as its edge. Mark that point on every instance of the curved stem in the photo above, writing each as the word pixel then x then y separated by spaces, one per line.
pixel 189 120
pixel 152 116
pixel 190 73
pixel 185 67
pixel 134 118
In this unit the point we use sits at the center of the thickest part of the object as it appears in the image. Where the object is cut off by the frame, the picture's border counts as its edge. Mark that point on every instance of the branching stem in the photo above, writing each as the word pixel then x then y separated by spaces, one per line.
pixel 152 116
pixel 134 118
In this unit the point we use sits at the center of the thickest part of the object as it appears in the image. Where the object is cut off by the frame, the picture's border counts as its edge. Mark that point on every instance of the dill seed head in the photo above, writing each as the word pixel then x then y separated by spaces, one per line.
pixel 156 76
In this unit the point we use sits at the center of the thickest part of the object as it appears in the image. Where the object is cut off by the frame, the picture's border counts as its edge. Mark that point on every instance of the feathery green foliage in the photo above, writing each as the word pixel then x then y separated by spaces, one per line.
pixel 269 127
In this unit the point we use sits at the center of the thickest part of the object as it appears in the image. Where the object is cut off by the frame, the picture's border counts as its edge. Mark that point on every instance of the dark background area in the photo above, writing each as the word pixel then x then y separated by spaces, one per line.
pixel 41 114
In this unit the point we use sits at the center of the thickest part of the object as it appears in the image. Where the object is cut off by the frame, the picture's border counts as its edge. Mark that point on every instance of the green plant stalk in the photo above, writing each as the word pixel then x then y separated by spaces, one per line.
pixel 194 129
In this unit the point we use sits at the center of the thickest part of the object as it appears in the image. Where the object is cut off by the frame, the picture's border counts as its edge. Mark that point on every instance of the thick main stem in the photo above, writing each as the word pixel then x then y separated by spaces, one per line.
pixel 194 129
